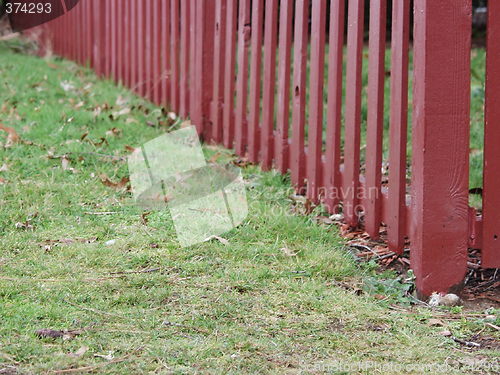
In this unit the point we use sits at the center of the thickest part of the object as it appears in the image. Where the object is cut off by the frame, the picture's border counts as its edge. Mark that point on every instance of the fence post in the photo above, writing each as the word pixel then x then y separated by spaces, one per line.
pixel 440 151
pixel 204 60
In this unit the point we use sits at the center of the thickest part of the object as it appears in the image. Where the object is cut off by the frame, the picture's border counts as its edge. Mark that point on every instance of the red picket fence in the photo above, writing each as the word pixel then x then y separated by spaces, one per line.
pixel 215 61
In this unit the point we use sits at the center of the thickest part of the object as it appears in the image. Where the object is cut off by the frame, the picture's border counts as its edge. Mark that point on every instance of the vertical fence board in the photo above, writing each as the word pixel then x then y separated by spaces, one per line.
pixel 270 43
pixel 88 32
pixel 187 25
pixel 141 51
pixel 281 154
pixel 334 114
pixel 99 47
pixel 125 55
pixel 157 52
pixel 490 253
pixel 375 118
pixel 108 39
pixel 244 31
pixel 440 129
pixel 174 54
pixel 114 40
pixel 228 112
pixel 134 77
pixel 398 125
pixel 299 92
pixel 353 111
pixel 148 48
pixel 193 55
pixel 120 40
pixel 255 80
pixel 219 69
pixel 317 78
pixel 204 57
pixel 165 48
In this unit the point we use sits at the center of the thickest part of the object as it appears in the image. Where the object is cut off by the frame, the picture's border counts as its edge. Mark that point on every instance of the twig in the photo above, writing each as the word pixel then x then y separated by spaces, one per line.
pixel 9 358
pixel 128 272
pixel 467 343
pixel 101 213
pixel 9 36
pixel 89 368
pixel 492 326
pixel 98 154
pixel 93 310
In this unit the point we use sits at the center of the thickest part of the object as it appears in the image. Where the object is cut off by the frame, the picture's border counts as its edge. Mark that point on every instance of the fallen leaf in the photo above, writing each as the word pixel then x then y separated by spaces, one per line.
pixel 67 86
pixel 114 132
pixel 185 124
pixel 144 218
pixel 445 333
pixel 53 66
pixel 117 186
pixel 12 135
pixel 129 148
pixel 288 252
pixel 4 168
pixel 108 357
pixel 124 111
pixel 65 163
pixel 154 245
pixel 82 137
pixel 150 123
pixel 79 352
pixel 220 239
pixel 131 120
pixel 435 322
pixel 48 333
pixel 214 158
pixel 2 181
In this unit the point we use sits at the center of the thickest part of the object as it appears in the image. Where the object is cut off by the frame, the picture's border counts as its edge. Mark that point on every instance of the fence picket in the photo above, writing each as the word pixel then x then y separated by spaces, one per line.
pixel 186 25
pixel 281 155
pixel 255 81
pixel 244 31
pixel 174 54
pixel 375 118
pixel 334 114
pixel 165 48
pixel 353 111
pixel 219 69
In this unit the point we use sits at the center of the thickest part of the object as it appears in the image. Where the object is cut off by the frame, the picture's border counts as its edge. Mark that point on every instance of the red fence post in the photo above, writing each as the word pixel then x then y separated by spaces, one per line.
pixel 204 60
pixel 490 252
pixel 440 151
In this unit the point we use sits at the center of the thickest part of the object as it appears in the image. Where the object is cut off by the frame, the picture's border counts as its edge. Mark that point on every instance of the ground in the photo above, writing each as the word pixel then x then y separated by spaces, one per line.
pixel 89 282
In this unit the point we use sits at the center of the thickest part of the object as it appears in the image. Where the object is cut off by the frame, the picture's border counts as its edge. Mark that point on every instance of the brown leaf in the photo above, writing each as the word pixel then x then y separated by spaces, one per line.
pixel 114 132
pixel 288 252
pixel 12 135
pixel 117 186
pixel 150 123
pixel 53 66
pixel 144 218
pixel 82 137
pixel 2 181
pixel 45 333
pixel 435 322
pixel 79 352
pixel 154 245
pixel 129 148
pixel 65 163
pixel 214 158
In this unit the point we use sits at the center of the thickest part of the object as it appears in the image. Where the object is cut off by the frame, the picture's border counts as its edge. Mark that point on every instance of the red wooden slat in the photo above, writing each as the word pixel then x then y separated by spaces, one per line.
pixel 228 112
pixel 114 37
pixel 334 114
pixel 440 148
pixel 108 39
pixel 88 31
pixel 191 101
pixel 255 80
pixel 282 161
pixel 186 24
pixel 353 110
pixel 120 42
pixel 165 48
pixel 269 78
pixel 315 139
pixel 490 254
pixel 148 52
pixel 219 68
pixel 375 119
pixel 79 33
pixel 157 52
pixel 174 54
pixel 125 55
pixel 398 127
pixel 141 51
pixel 244 31
pixel 133 45
pixel 99 47
pixel 298 161
pixel 204 39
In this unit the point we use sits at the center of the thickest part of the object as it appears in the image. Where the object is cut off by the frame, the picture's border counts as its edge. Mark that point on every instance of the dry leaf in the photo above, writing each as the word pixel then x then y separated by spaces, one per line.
pixel 124 111
pixel 2 181
pixel 12 135
pixel 65 163
pixel 144 218
pixel 214 158
pixel 150 123
pixel 4 168
pixel 44 333
pixel 288 252
pixel 79 352
pixel 82 137
pixel 117 186
pixel 79 105
pixel 185 124
pixel 220 239
pixel 435 322
pixel 108 357
pixel 114 132
pixel 131 120
pixel 67 86
pixel 129 148
pixel 53 66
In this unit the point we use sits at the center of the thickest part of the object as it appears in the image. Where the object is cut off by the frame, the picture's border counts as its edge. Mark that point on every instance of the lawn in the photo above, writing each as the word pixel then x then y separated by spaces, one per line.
pixel 282 294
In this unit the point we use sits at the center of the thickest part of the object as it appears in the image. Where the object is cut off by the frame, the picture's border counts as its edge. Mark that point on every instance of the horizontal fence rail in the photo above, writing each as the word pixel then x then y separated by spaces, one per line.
pixel 267 78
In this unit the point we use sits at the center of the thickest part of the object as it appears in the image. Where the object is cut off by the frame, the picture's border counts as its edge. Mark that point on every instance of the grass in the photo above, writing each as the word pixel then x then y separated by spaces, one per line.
pixel 267 302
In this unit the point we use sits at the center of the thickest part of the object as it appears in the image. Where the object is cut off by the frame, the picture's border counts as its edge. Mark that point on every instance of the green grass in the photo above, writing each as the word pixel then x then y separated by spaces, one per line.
pixel 245 307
